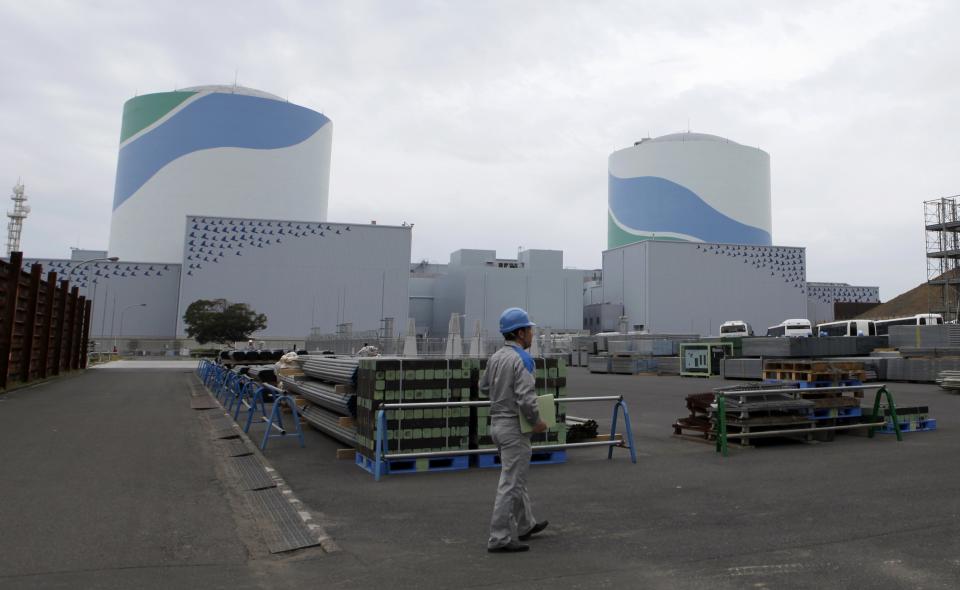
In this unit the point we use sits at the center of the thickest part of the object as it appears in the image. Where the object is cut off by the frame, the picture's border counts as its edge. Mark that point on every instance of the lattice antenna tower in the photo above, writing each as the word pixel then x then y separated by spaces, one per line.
pixel 17 215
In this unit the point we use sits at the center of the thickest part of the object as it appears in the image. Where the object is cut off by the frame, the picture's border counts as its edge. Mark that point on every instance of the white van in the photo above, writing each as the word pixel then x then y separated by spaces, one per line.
pixel 794 328
pixel 735 329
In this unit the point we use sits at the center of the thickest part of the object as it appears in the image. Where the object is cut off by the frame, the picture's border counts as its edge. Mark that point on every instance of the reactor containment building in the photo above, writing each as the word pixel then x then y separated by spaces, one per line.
pixel 214 151
pixel 689 187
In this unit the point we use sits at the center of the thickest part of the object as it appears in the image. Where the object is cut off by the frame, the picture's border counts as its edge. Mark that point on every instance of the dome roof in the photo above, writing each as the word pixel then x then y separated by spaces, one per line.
pixel 230 89
pixel 690 136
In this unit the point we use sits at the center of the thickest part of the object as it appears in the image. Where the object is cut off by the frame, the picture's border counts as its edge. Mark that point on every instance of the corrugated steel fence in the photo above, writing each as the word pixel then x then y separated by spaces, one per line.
pixel 44 325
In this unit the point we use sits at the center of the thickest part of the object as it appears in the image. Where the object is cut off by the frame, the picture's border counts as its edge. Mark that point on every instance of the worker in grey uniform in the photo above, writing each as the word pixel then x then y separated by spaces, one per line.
pixel 510 384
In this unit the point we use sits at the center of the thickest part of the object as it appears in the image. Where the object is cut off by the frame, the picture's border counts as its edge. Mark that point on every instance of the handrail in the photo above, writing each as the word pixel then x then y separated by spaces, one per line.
pixel 381 456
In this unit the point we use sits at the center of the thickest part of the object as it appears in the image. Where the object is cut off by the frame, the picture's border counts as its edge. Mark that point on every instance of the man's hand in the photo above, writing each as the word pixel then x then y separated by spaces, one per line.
pixel 539 427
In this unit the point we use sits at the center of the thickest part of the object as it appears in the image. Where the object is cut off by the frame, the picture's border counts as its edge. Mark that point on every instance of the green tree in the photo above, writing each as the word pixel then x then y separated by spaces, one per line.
pixel 218 320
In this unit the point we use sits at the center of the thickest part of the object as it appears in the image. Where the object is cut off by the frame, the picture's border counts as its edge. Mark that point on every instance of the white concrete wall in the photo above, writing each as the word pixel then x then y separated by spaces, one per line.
pixel 678 287
pixel 301 279
pixel 117 289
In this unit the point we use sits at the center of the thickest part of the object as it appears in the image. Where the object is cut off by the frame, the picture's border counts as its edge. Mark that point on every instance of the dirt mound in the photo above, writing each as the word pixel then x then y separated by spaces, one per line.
pixel 924 298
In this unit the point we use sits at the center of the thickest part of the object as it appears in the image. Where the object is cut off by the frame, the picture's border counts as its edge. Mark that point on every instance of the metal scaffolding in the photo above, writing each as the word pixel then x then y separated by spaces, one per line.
pixel 942 225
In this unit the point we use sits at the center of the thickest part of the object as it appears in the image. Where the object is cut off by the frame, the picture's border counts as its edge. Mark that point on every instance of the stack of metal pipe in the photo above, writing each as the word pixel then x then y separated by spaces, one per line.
pixel 332 369
pixel 329 423
pixel 327 386
pixel 322 394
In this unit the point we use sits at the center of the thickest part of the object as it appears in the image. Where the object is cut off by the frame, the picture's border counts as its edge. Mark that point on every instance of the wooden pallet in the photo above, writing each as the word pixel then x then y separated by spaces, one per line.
pixel 697 424
pixel 812 366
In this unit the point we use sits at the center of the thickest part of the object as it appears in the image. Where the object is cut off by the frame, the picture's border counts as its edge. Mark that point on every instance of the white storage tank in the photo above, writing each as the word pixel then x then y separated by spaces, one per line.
pixel 218 151
pixel 689 187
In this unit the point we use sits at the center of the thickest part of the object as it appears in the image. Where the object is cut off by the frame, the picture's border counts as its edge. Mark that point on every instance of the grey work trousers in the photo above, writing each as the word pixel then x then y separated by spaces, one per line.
pixel 512 510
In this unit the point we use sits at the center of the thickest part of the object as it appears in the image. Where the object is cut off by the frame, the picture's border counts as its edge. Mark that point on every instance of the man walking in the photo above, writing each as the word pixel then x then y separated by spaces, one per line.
pixel 510 384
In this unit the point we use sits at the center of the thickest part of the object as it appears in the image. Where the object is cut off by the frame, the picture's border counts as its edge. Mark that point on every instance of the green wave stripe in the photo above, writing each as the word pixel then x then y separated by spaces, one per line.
pixel 142 111
pixel 616 237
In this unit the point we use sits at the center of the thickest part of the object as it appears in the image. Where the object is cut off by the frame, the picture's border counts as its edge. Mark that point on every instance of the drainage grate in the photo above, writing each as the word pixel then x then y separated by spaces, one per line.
pixel 223 427
pixel 284 530
pixel 202 402
pixel 235 447
pixel 252 474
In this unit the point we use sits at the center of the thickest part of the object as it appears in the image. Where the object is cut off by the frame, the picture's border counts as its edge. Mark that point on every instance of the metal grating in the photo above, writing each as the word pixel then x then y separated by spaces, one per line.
pixel 235 447
pixel 223 427
pixel 252 474
pixel 284 530
pixel 202 402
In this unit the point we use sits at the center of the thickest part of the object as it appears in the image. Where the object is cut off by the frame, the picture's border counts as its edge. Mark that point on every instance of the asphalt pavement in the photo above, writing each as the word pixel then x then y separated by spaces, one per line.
pixel 110 480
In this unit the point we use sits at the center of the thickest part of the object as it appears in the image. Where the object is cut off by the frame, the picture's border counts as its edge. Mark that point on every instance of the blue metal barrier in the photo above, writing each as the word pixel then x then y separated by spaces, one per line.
pixel 276 419
pixel 256 403
pixel 245 399
pixel 236 392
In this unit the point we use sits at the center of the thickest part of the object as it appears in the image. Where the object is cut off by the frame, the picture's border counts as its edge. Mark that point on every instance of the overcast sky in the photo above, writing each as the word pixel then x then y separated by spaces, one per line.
pixel 488 124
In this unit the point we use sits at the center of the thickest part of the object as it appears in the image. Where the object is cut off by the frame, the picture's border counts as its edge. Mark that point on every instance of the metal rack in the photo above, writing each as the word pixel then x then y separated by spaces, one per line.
pixel 875 420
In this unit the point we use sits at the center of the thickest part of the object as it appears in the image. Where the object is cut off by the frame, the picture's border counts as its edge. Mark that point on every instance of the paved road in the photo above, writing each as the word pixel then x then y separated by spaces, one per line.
pixel 108 481
pixel 111 481
pixel 853 513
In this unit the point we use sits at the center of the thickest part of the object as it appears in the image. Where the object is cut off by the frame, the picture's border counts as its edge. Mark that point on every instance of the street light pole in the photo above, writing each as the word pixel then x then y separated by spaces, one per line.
pixel 120 335
pixel 93 300
pixel 82 262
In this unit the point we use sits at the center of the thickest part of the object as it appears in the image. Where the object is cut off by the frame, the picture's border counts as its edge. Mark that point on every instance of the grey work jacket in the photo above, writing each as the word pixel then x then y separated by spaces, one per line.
pixel 510 386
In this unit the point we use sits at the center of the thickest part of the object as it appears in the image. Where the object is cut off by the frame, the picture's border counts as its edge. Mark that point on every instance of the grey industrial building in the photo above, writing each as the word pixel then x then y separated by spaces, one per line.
pixel 300 274
pixel 823 300
pixel 691 288
pixel 478 286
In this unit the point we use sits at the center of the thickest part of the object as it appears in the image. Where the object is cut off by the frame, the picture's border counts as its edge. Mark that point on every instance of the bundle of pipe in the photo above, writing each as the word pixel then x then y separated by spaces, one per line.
pixel 333 369
pixel 263 374
pixel 321 394
pixel 329 423
pixel 243 355
pixel 949 380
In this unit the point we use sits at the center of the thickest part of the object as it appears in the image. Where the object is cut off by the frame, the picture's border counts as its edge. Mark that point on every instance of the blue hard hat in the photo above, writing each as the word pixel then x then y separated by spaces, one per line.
pixel 514 319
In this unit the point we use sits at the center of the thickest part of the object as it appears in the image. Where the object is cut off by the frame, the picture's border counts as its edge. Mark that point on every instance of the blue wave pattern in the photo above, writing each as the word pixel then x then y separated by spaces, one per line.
pixel 651 203
pixel 214 121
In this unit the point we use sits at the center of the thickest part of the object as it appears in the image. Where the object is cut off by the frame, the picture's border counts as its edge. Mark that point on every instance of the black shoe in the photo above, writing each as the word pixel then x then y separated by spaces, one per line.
pixel 510 548
pixel 536 529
